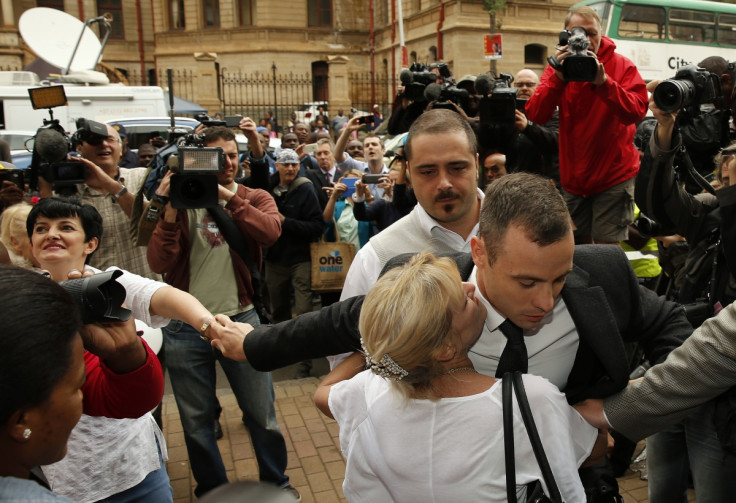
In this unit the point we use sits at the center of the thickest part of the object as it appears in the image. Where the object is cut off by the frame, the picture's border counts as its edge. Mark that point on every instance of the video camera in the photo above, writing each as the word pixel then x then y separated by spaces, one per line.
pixel 579 66
pixel 687 90
pixel 51 146
pixel 229 121
pixel 499 109
pixel 194 184
pixel 99 297
pixel 415 79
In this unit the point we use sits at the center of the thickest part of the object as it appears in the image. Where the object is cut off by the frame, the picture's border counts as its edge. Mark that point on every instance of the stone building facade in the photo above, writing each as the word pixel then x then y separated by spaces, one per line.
pixel 329 39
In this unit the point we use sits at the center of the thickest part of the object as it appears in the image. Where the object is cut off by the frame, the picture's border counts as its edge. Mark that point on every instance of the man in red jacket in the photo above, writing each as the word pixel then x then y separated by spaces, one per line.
pixel 598 160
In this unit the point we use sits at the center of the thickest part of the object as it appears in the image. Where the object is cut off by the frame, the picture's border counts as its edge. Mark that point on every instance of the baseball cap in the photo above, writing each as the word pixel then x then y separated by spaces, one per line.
pixel 287 156
pixel 120 129
pixel 469 78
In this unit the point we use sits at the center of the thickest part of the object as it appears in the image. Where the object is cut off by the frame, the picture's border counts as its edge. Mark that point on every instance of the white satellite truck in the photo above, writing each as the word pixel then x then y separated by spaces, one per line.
pixel 70 45
pixel 96 102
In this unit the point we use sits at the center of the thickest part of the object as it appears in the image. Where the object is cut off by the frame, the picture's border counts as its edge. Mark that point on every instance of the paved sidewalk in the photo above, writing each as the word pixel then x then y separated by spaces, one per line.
pixel 316 467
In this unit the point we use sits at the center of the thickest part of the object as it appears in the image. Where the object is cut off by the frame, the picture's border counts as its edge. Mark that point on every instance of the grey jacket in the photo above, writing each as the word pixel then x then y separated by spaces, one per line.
pixel 696 372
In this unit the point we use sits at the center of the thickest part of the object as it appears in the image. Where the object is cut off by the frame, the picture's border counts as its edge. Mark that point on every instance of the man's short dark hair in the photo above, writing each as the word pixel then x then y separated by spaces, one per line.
pixel 715 64
pixel 58 207
pixel 440 121
pixel 214 133
pixel 527 201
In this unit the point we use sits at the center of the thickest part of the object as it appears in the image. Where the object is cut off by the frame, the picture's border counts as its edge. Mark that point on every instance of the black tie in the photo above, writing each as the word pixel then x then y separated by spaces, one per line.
pixel 514 355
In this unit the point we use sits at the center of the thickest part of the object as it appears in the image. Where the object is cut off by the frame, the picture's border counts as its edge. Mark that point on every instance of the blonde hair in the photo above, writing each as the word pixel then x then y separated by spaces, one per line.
pixel 13 224
pixel 408 316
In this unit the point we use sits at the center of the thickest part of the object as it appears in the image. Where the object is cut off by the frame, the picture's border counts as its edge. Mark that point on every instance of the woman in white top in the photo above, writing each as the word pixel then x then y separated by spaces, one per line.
pixel 109 458
pixel 421 424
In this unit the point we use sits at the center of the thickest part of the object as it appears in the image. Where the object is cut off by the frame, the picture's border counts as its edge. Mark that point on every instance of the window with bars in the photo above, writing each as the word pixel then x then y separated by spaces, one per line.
pixel 115 8
pixel 319 12
pixel 211 13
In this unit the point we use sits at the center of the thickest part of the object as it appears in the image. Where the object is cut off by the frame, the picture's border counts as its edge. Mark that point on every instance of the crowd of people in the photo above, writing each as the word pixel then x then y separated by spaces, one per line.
pixel 483 249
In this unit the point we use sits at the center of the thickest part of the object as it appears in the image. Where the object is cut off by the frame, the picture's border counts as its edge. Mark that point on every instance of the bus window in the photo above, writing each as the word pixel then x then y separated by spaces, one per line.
pixel 727 29
pixel 692 26
pixel 641 21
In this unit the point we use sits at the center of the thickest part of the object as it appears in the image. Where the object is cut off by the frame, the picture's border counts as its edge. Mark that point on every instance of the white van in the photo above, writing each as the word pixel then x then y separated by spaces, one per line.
pixel 99 103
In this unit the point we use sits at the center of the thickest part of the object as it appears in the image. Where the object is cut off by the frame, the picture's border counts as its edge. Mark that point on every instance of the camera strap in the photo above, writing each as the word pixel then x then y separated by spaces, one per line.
pixel 235 240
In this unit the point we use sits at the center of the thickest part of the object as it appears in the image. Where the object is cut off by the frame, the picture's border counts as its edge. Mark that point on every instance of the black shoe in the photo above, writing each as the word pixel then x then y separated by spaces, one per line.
pixel 218 429
pixel 303 369
pixel 291 490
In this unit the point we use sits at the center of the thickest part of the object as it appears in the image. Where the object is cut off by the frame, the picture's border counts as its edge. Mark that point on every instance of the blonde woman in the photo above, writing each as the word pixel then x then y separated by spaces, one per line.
pixel 13 235
pixel 421 424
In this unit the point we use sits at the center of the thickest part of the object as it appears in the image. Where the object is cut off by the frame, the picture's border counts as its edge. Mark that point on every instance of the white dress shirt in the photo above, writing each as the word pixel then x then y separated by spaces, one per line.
pixel 551 346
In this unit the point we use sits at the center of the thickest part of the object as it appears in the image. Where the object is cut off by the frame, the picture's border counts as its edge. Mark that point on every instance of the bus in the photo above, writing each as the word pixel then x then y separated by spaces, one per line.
pixel 660 36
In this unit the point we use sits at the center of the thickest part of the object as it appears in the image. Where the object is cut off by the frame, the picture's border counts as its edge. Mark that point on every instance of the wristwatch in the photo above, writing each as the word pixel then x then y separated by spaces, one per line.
pixel 204 328
pixel 120 194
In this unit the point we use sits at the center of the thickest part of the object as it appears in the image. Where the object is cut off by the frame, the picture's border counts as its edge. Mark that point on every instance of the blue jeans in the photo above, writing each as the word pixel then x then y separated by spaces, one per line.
pixel 191 365
pixel 155 488
pixel 692 443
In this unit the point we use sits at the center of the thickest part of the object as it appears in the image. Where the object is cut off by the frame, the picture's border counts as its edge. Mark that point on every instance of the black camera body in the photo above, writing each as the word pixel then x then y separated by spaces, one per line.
pixel 687 90
pixel 579 66
pixel 499 109
pixel 12 175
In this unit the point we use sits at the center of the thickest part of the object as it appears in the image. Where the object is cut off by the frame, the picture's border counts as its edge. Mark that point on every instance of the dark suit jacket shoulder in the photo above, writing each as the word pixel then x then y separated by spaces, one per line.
pixel 601 293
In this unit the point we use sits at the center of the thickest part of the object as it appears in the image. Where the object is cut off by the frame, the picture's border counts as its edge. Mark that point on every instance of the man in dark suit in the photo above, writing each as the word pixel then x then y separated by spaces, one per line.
pixel 327 173
pixel 576 305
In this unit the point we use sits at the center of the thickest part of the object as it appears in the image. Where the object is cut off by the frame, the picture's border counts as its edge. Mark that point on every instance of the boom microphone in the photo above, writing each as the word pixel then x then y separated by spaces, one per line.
pixel 433 92
pixel 51 145
pixel 406 76
pixel 483 85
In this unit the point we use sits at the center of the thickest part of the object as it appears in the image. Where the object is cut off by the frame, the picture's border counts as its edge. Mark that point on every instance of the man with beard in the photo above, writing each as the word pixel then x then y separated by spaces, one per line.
pixel 441 153
pixel 191 249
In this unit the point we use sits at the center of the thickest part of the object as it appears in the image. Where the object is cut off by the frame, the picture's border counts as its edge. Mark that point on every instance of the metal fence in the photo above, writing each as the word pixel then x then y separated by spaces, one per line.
pixel 255 93
pixel 368 89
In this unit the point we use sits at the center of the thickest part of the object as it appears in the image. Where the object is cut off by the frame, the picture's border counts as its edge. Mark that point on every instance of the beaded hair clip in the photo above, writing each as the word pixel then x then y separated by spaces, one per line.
pixel 386 366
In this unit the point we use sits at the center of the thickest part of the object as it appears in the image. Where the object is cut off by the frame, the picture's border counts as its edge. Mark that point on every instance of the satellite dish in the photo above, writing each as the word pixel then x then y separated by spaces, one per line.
pixel 53 35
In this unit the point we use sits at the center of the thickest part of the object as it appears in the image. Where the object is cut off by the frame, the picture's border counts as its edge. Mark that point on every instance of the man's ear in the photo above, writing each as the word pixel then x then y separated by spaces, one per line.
pixel 478 251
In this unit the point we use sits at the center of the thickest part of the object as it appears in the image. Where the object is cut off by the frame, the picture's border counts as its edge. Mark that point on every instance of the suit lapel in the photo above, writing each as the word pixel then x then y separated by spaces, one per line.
pixel 601 355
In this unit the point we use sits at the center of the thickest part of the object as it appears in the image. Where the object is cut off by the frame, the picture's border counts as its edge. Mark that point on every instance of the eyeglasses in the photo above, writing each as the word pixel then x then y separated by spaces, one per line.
pixel 525 84
pixel 97 140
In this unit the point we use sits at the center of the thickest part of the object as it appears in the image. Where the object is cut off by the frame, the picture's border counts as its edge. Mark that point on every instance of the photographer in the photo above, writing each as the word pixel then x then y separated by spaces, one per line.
pixel 111 190
pixel 199 251
pixel 707 222
pixel 372 152
pixel 597 182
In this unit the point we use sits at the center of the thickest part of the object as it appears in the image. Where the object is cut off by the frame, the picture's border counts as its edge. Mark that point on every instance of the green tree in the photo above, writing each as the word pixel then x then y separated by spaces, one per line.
pixel 493 6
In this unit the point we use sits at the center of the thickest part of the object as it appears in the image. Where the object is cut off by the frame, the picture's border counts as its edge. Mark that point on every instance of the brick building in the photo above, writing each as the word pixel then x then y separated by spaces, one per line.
pixel 343 51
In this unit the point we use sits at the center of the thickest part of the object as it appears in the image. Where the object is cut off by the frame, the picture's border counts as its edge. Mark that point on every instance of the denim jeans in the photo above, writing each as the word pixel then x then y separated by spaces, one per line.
pixel 692 443
pixel 191 365
pixel 155 488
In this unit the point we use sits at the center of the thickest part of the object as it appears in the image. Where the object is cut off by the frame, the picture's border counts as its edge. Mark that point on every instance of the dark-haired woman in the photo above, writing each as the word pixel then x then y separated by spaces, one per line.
pixel 115 454
pixel 41 375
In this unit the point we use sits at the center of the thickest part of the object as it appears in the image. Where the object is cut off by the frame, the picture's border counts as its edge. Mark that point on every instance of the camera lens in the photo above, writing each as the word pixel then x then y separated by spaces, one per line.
pixel 672 95
pixel 192 189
